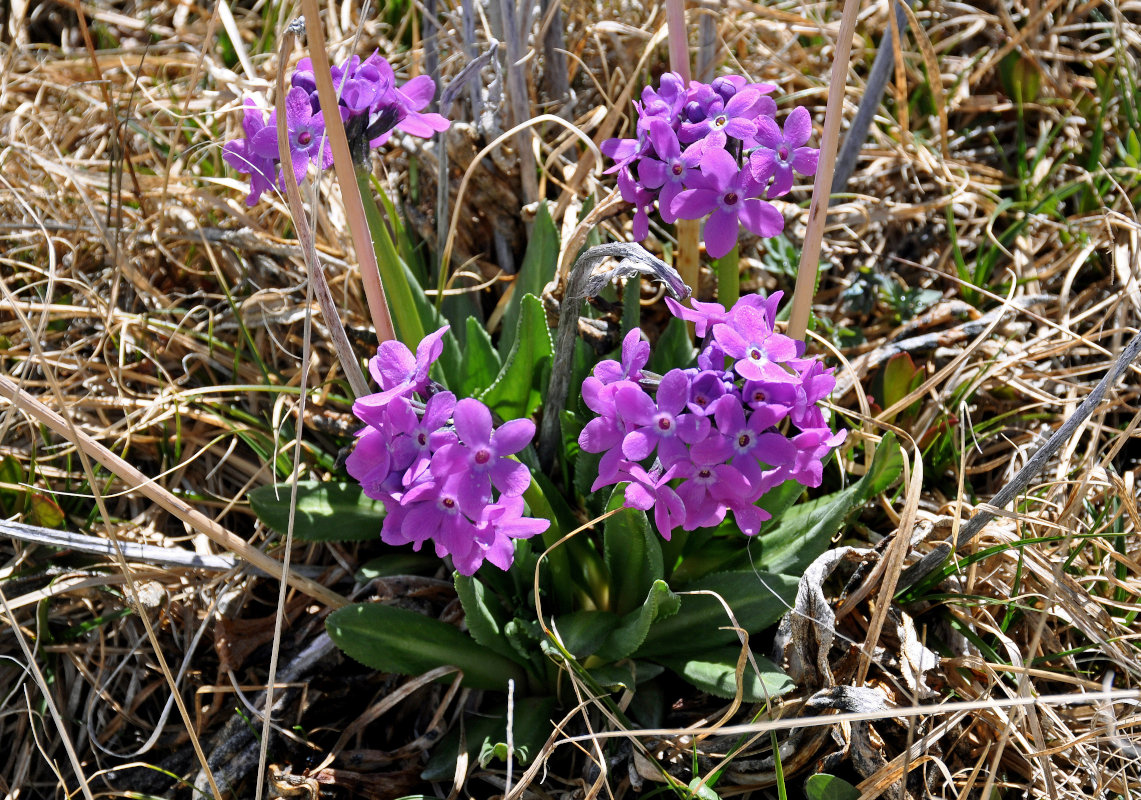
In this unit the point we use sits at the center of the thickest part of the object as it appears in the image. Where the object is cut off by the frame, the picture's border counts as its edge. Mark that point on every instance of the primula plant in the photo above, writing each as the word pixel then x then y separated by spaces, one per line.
pixel 689 479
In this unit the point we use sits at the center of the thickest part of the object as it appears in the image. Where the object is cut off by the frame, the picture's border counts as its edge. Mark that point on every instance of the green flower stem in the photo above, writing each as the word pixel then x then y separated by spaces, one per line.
pixel 390 266
pixel 728 277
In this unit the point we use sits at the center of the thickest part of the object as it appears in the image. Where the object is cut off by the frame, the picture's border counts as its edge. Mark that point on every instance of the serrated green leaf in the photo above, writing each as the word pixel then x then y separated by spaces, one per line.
pixel 829 787
pixel 484 616
pixel 480 362
pixel 518 389
pixel 631 632
pixel 632 554
pixel 537 269
pixel 393 639
pixel 758 599
pixel 804 531
pixel 326 512
pixel 715 671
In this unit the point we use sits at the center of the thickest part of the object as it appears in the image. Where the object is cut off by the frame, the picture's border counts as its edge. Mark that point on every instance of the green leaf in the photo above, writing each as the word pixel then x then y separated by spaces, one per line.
pixel 583 632
pixel 829 787
pixel 480 362
pixel 631 632
pixel 758 599
pixel 715 671
pixel 326 512
pixel 398 563
pixel 518 389
pixel 484 615
pixel 674 349
pixel 393 639
pixel 804 531
pixel 535 272
pixel 632 555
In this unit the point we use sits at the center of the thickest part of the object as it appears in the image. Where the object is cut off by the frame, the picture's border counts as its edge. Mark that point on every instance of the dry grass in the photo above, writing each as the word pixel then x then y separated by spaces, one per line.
pixel 144 301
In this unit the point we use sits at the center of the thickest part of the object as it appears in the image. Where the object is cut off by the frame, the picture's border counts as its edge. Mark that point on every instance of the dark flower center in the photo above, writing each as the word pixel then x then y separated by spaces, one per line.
pixel 422 438
pixel 731 199
pixel 482 456
pixel 700 400
pixel 721 121
pixel 758 396
pixel 665 423
pixel 755 354
pixel 743 440
pixel 705 474
pixel 678 169
pixel 448 503
pixel 305 137
pixel 782 154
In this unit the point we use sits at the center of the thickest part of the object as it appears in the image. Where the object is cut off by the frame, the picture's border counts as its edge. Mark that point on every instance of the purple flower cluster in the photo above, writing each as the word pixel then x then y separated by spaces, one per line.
pixel 441 468
pixel 371 106
pixel 711 149
pixel 716 437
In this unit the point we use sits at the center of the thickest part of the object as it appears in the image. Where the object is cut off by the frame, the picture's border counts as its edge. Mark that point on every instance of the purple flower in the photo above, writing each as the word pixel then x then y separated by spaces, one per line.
pixel 480 459
pixel 370 462
pixel 709 489
pixel 731 195
pixel 660 425
pixel 635 355
pixel 419 436
pixel 497 525
pixel 671 169
pixel 642 200
pixel 812 446
pixel 745 443
pixel 398 372
pixel 758 349
pixel 405 104
pixel 241 155
pixel 651 490
pixel 719 118
pixel 780 153
pixel 305 131
pixel 706 388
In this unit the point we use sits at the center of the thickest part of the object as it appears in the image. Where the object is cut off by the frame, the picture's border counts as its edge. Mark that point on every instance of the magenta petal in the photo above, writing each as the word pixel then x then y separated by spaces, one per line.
pixel 694 203
pixel 804 160
pixel 638 445
pixel 673 392
pixel 664 140
pixel 512 436
pixel 634 404
pixel 449 459
pixel 782 182
pixel 393 364
pixel 598 435
pixel 768 133
pixel 638 497
pixel 762 164
pixel 652 173
pixel 298 109
pixel 419 92
pixel 510 477
pixel 798 127
pixel 720 233
pixel 761 218
pixel 740 128
pixel 721 167
pixel 473 422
